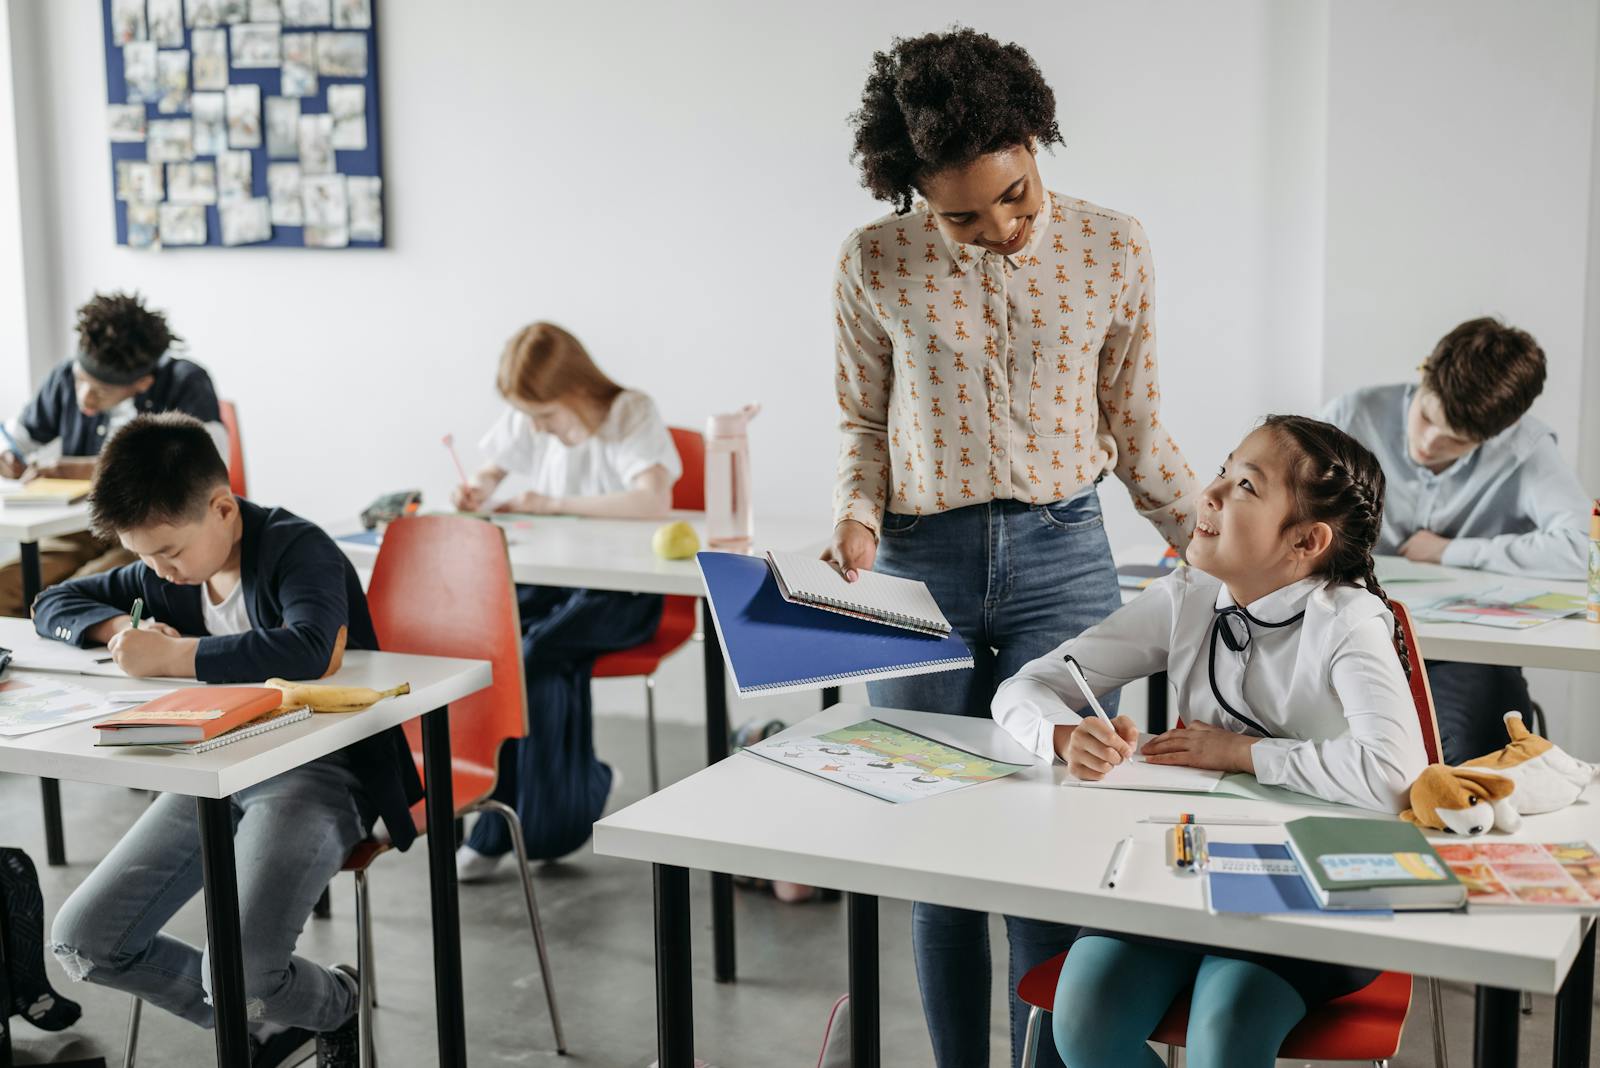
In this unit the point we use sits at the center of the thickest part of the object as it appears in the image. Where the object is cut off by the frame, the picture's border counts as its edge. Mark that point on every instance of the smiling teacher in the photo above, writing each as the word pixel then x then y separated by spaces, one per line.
pixel 995 359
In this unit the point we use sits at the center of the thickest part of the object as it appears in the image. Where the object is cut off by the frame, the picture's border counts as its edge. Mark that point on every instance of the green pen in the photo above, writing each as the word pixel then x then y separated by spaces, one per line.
pixel 138 610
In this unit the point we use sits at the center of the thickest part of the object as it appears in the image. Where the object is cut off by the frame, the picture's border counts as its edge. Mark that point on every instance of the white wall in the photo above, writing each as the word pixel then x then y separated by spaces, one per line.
pixel 671 182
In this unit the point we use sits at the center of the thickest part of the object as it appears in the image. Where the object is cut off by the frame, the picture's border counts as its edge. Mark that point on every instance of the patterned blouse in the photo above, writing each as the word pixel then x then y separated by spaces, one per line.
pixel 964 376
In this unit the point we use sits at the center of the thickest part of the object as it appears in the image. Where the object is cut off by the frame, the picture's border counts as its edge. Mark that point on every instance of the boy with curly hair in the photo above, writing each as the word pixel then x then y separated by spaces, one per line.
pixel 123 367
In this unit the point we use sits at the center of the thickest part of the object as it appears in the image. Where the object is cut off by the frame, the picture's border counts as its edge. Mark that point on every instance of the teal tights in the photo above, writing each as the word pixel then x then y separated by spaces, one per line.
pixel 1113 993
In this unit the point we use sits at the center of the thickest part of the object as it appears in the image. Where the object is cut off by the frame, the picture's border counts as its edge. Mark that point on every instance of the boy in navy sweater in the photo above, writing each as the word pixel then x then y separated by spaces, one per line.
pixel 122 368
pixel 235 593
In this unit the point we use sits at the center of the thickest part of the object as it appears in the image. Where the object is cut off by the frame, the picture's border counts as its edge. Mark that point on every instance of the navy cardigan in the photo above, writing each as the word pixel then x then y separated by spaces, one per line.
pixel 302 596
pixel 179 386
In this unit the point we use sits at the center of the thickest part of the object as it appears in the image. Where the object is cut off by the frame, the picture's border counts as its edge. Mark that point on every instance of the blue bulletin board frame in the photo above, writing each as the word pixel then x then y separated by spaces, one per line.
pixel 367 162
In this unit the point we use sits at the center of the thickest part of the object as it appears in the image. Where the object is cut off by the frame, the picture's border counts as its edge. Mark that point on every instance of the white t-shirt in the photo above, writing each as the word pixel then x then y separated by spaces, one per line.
pixel 630 441
pixel 229 617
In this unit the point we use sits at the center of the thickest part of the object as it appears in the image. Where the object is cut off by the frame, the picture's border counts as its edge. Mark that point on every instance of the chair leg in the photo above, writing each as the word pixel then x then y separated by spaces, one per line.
pixel 366 996
pixel 1030 1041
pixel 650 730
pixel 1172 1057
pixel 130 1043
pixel 515 825
pixel 1441 1049
pixel 1527 1003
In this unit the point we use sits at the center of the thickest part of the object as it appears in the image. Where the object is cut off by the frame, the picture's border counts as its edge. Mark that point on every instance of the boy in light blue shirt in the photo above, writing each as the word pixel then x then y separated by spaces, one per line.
pixel 1475 482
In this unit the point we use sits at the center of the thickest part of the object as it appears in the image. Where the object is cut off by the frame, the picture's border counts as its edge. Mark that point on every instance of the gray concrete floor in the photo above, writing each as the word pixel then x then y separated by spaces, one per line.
pixel 597 913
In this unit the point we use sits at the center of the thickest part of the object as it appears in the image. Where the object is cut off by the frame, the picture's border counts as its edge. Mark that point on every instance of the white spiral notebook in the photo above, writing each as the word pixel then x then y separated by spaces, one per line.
pixel 269 722
pixel 898 602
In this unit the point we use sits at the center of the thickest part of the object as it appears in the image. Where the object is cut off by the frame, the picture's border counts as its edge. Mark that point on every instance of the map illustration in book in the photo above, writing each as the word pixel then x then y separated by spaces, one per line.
pixel 1526 874
pixel 888 762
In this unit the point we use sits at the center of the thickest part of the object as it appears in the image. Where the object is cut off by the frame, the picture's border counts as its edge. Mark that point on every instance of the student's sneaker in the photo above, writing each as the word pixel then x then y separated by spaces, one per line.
pixel 341 1047
pixel 475 867
pixel 836 1037
pixel 288 1047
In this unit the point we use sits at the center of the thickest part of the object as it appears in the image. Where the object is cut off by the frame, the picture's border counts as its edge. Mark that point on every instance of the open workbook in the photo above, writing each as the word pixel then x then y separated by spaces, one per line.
pixel 899 602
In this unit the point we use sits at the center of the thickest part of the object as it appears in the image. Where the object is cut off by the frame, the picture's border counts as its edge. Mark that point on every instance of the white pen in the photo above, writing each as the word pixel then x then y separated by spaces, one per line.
pixel 1119 856
pixel 1214 822
pixel 1083 684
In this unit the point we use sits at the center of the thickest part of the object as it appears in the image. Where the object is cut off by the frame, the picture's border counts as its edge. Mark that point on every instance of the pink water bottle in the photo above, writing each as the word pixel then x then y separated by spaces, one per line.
pixel 730 522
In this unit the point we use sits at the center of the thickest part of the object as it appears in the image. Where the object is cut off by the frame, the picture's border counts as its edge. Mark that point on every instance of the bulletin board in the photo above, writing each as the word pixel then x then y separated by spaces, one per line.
pixel 244 123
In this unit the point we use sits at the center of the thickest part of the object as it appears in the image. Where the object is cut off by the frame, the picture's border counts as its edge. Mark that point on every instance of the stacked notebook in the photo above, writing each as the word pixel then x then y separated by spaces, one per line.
pixel 787 625
pixel 47 493
pixel 200 717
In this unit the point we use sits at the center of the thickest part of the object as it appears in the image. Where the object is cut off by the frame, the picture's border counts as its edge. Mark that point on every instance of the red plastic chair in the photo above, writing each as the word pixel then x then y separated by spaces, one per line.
pixel 678 615
pixel 1365 1025
pixel 230 423
pixel 442 586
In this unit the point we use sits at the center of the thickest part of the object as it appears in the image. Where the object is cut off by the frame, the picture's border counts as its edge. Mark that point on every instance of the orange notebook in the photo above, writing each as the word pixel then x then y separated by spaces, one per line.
pixel 193 714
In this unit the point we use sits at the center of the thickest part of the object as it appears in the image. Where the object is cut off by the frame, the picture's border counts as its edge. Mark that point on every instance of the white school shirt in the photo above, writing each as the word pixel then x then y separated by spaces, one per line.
pixel 1329 689
pixel 631 440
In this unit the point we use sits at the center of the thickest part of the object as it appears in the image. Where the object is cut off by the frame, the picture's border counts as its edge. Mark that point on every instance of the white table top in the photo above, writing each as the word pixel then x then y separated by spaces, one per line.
pixel 1026 845
pixel 69 753
pixel 1565 644
pixel 33 522
pixel 610 554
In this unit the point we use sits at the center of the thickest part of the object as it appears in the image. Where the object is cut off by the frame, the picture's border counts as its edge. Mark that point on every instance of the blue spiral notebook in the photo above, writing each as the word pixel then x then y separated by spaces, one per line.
pixel 775 646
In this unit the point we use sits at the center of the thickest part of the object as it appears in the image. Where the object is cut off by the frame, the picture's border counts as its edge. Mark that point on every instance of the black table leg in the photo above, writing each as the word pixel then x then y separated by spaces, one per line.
pixel 5 989
pixel 1156 703
pixel 1575 1009
pixel 55 847
pixel 674 993
pixel 1494 1042
pixel 830 696
pixel 863 921
pixel 449 1008
pixel 222 931
pixel 722 943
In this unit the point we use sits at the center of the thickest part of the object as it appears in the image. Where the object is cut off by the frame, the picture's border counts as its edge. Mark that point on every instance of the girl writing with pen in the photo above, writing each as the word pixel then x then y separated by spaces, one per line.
pixel 1283 651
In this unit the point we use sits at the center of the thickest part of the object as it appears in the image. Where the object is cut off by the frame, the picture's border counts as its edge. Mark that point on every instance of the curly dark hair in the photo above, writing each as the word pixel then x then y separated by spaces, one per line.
pixel 1336 480
pixel 121 333
pixel 942 100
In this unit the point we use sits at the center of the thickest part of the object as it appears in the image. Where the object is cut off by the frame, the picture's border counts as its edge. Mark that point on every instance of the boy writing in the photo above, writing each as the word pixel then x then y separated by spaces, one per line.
pixel 235 592
pixel 1474 481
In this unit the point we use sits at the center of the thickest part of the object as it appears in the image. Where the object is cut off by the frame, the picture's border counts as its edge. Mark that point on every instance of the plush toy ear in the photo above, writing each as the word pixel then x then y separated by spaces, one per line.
pixel 1411 817
pixel 1495 787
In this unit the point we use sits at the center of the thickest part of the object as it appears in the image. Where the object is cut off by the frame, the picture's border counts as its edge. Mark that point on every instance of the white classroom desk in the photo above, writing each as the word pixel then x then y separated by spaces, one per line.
pixel 68 752
pixel 29 525
pixel 978 848
pixel 615 554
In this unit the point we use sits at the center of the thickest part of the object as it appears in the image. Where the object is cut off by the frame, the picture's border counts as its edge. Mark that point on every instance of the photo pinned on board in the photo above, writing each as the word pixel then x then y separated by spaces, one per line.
pixel 169 141
pixel 210 114
pixel 210 59
pixel 283 190
pixel 139 72
pixel 299 77
pixel 256 45
pixel 202 14
pixel 233 12
pixel 127 22
pixel 166 23
pixel 266 11
pixel 245 222
pixel 138 180
pixel 283 127
pixel 125 122
pixel 316 144
pixel 144 225
pixel 192 183
pixel 244 116
pixel 342 55
pixel 352 14
pixel 327 211
pixel 348 106
pixel 234 179
pixel 366 207
pixel 183 224
pixel 173 78
pixel 307 13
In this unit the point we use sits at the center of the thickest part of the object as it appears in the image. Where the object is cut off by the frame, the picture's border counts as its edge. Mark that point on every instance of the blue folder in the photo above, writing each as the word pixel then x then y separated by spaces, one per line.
pixel 773 646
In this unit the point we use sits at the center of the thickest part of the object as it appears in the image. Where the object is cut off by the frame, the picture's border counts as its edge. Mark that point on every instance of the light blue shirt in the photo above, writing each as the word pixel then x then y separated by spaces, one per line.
pixel 1510 505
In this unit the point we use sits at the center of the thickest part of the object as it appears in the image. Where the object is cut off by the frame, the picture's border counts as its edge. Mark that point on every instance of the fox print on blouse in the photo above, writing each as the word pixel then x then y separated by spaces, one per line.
pixel 964 376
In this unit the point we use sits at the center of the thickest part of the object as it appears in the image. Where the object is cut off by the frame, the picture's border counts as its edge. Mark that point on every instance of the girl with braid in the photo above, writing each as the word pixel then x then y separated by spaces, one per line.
pixel 1288 665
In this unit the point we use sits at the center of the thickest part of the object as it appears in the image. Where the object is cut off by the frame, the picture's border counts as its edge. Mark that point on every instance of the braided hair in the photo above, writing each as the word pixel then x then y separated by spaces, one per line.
pixel 1336 480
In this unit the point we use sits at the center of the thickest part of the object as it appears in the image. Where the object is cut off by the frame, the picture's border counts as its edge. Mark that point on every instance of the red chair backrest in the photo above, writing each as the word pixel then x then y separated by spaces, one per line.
pixel 689 492
pixel 235 457
pixel 1421 692
pixel 442 587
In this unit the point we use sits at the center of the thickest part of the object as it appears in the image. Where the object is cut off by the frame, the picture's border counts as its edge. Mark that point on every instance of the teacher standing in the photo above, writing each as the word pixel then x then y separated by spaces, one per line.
pixel 995 359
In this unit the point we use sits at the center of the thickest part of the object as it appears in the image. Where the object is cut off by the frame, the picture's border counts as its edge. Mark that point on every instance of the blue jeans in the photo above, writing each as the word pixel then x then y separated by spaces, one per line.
pixel 552 778
pixel 291 836
pixel 1015 581
pixel 1112 994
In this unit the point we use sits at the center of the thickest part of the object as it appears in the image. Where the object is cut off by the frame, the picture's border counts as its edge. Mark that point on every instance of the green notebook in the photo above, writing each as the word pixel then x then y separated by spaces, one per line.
pixel 1372 864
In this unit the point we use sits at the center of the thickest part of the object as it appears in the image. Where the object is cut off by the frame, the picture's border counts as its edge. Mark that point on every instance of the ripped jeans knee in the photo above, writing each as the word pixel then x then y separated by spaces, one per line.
pixel 75 964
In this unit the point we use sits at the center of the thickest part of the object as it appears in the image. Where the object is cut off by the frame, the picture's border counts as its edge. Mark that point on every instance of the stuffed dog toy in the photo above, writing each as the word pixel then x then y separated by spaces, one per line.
pixel 1494 792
